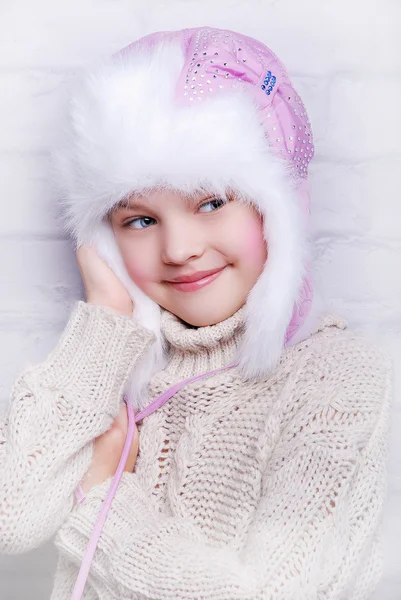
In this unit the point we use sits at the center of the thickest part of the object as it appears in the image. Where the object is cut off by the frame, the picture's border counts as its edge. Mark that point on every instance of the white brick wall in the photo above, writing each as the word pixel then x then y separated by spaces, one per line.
pixel 345 60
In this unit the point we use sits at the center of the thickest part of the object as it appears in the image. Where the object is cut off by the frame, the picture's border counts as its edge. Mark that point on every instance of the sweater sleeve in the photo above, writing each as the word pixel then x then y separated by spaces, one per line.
pixel 316 521
pixel 57 408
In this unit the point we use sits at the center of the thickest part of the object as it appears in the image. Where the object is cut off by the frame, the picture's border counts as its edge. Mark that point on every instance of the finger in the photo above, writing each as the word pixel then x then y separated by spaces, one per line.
pixel 121 421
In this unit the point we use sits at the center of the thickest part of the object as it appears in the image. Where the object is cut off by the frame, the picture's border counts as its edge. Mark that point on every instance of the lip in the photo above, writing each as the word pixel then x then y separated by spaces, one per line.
pixel 194 276
pixel 190 283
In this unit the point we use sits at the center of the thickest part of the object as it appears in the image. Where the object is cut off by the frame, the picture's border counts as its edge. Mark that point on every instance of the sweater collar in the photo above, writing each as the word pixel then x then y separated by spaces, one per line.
pixel 192 351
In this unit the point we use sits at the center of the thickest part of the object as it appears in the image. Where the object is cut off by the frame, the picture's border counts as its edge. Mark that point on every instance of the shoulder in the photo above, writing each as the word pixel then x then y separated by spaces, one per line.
pixel 347 356
pixel 335 350
pixel 337 370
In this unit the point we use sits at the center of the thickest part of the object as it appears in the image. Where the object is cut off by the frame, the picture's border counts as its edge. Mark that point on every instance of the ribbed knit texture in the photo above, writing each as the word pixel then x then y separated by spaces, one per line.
pixel 249 490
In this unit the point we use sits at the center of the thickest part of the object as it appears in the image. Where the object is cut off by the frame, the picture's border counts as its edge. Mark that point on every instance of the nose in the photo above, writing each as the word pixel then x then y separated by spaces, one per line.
pixel 181 243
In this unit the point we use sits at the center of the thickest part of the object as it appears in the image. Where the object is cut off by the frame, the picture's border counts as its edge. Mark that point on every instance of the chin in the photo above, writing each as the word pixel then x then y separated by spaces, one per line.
pixel 205 307
pixel 205 317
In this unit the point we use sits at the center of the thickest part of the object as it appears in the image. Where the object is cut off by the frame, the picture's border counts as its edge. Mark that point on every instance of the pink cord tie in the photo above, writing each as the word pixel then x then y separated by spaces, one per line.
pixel 80 496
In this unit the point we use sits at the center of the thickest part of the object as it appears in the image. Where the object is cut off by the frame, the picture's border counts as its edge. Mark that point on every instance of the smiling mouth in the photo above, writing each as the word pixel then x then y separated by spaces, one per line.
pixel 191 283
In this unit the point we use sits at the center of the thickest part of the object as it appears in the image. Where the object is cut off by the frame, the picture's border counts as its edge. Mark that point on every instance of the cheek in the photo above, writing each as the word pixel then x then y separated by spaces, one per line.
pixel 139 263
pixel 253 246
pixel 137 271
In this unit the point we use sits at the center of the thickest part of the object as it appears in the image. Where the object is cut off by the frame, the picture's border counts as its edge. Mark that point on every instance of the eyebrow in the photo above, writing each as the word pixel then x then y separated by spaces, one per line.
pixel 127 205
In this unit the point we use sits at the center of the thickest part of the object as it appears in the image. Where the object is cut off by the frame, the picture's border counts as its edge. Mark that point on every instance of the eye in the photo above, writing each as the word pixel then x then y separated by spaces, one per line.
pixel 140 223
pixel 213 204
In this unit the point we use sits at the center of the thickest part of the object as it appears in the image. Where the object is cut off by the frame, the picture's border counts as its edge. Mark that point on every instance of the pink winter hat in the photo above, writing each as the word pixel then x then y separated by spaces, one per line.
pixel 200 107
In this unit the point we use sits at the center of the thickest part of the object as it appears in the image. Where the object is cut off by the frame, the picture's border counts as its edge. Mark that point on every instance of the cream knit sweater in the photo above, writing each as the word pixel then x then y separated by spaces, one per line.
pixel 242 490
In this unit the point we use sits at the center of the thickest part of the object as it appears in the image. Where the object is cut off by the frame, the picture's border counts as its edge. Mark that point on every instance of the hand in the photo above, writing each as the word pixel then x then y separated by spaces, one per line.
pixel 102 286
pixel 108 448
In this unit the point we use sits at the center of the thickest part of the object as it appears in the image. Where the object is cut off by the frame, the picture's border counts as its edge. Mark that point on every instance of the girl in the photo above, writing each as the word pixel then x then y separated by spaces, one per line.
pixel 184 181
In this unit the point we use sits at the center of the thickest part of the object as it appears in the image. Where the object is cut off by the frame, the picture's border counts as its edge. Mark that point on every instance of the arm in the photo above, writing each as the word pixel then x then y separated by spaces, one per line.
pixel 321 501
pixel 57 408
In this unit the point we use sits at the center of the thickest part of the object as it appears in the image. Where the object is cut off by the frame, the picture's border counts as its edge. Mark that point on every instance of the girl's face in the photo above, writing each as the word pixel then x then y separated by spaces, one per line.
pixel 197 258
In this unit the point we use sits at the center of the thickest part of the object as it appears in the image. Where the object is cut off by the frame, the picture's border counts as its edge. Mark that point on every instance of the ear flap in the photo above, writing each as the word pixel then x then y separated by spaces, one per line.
pixel 283 289
pixel 146 312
